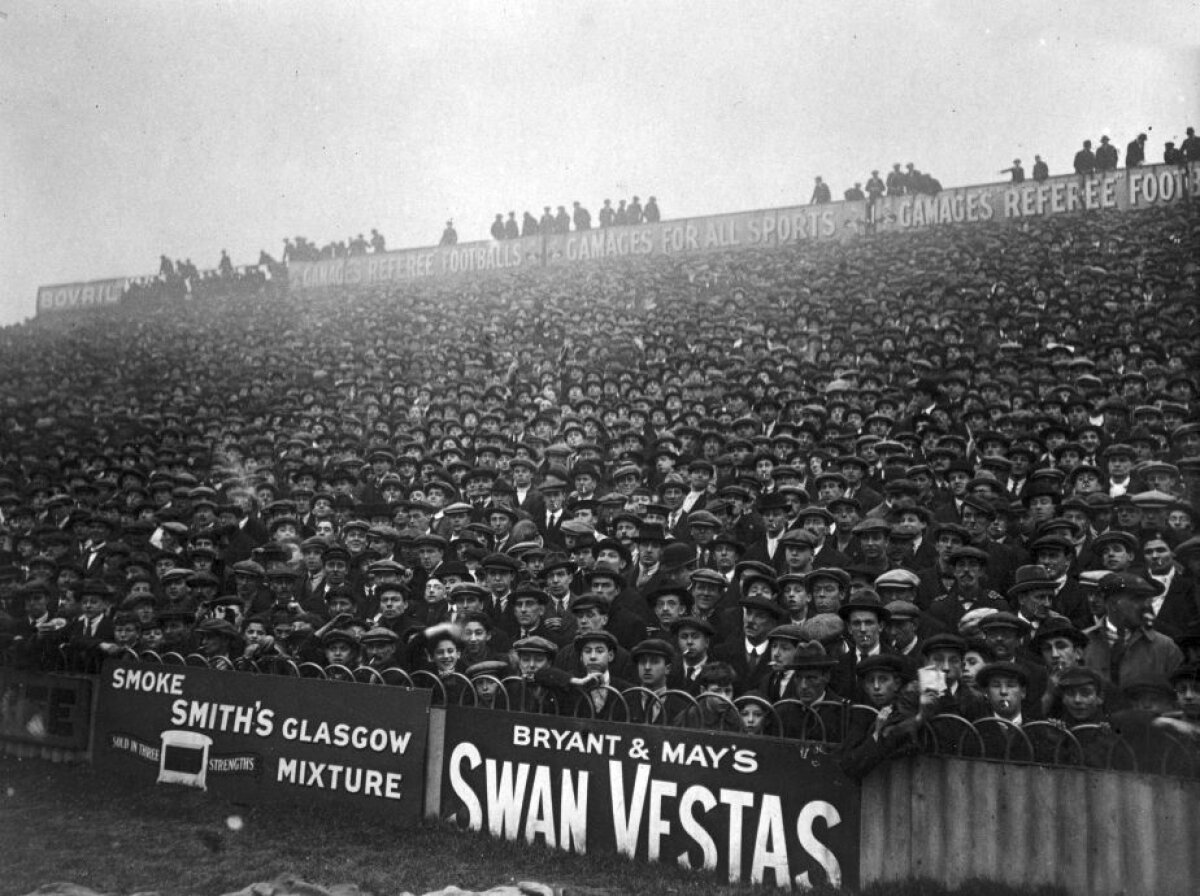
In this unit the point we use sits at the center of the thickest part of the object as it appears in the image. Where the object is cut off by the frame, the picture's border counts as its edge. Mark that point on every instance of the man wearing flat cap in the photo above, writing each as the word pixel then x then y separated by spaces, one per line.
pixel 865 617
pixel 819 713
pixel 1117 550
pixel 655 660
pixel 784 642
pixel 969 566
pixel 1175 610
pixel 1130 648
pixel 529 613
pixel 1005 687
pixel 1006 633
pixel 541 689
pixel 591 612
pixel 597 650
pixel 892 732
pixel 773 508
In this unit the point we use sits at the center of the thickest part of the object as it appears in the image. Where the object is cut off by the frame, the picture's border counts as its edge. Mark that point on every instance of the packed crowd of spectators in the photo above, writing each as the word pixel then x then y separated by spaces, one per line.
pixel 943 474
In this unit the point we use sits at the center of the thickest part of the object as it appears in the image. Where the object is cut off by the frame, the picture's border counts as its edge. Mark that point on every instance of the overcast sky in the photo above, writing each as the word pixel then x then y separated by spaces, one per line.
pixel 130 129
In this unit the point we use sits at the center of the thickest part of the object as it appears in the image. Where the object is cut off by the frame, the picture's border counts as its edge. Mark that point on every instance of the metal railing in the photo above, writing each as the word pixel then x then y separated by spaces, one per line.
pixel 835 724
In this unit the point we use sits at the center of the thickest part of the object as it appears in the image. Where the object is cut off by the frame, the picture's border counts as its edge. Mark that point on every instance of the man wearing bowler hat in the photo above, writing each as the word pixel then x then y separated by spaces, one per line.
pixel 819 712
pixel 748 652
pixel 553 491
pixel 694 639
pixel 499 576
pixel 712 602
pixel 773 508
pixel 1032 594
pixel 1056 552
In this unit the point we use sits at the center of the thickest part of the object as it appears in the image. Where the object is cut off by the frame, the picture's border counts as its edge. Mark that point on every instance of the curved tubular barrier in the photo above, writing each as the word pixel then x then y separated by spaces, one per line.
pixel 1053 736
pixel 860 717
pixel 676 702
pixel 499 694
pixel 338 672
pixel 774 724
pixel 1163 748
pixel 1000 736
pixel 949 722
pixel 510 685
pixel 397 677
pixel 823 722
pixel 454 684
pixel 609 710
pixel 1118 745
pixel 367 675
pixel 713 712
pixel 799 721
pixel 1179 753
pixel 643 698
pixel 423 678
pixel 279 665
pixel 312 670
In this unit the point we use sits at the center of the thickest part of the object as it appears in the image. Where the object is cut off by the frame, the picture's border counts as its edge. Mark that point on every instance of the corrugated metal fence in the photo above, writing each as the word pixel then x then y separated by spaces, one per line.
pixel 1099 833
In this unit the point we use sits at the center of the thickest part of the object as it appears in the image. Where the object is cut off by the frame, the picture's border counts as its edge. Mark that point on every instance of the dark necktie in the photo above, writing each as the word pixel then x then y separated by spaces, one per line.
pixel 1115 657
pixel 650 709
